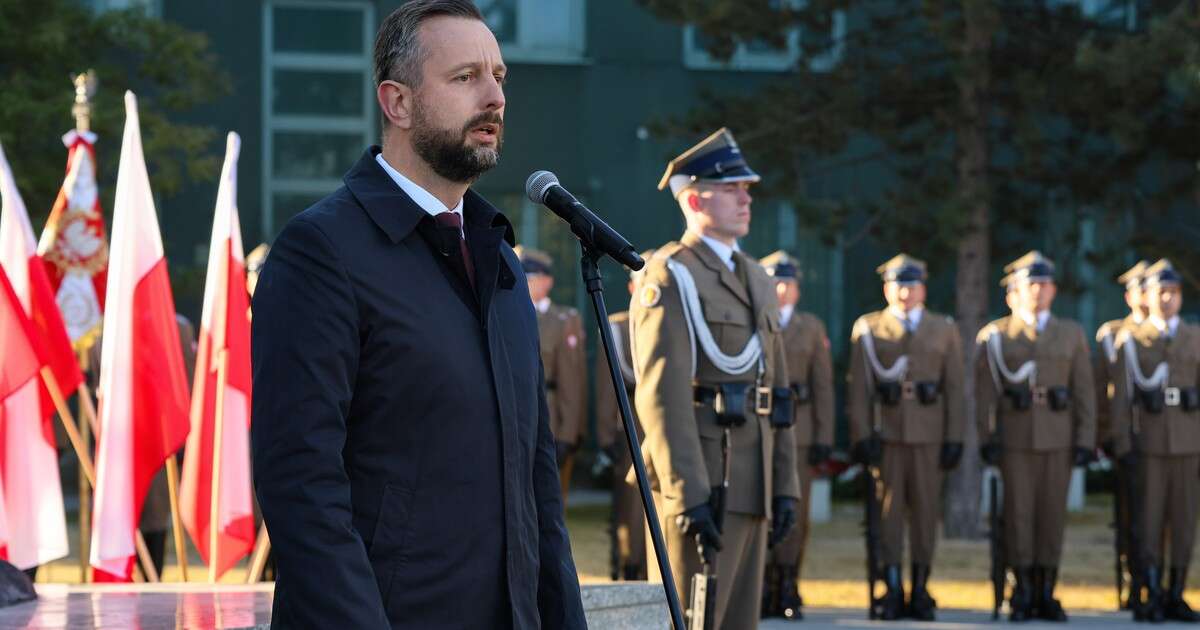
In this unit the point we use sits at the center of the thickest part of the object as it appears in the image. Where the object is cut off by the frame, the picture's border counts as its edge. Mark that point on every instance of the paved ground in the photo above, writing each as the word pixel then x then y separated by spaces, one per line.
pixel 842 618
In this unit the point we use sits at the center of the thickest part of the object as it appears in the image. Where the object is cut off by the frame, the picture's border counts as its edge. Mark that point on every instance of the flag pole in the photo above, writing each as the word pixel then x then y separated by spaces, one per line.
pixel 85 490
pixel 214 523
pixel 85 461
pixel 258 561
pixel 176 520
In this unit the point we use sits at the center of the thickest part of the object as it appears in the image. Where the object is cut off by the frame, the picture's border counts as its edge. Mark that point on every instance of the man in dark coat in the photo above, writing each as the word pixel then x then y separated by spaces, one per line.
pixel 402 451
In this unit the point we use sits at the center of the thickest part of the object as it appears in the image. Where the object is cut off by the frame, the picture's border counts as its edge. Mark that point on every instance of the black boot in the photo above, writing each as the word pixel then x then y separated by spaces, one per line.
pixel 1021 602
pixel 891 606
pixel 1176 608
pixel 790 603
pixel 920 604
pixel 1049 608
pixel 634 573
pixel 1152 606
pixel 770 594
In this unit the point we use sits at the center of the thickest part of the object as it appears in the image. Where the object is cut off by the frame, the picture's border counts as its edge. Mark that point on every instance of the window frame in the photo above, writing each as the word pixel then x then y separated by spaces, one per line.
pixel 525 49
pixel 365 124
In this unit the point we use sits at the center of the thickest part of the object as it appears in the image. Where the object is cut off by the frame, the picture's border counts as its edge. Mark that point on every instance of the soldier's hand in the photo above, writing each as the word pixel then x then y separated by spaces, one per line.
pixel 698 523
pixel 819 454
pixel 868 452
pixel 1084 456
pixel 990 453
pixel 951 455
pixel 783 519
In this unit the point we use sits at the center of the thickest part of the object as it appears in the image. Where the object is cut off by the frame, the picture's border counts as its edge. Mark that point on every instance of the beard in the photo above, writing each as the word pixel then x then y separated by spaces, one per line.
pixel 447 150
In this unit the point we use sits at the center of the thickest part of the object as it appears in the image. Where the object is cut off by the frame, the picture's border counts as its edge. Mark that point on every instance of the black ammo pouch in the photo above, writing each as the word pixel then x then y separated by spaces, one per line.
pixel 1152 401
pixel 727 399
pixel 1189 398
pixel 1021 397
pixel 1059 398
pixel 889 393
pixel 801 393
pixel 781 407
pixel 927 392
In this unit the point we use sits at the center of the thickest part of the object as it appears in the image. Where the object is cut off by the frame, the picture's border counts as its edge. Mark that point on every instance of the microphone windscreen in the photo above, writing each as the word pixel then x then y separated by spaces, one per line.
pixel 537 185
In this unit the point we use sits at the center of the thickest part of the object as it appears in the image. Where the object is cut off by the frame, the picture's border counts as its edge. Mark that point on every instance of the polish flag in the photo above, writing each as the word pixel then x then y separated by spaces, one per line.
pixel 143 389
pixel 28 458
pixel 74 245
pixel 222 377
pixel 18 369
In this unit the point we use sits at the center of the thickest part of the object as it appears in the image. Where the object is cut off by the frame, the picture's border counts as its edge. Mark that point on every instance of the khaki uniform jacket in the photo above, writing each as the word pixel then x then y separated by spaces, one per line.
pixel 1174 431
pixel 934 353
pixel 609 427
pixel 1104 369
pixel 682 447
pixel 565 361
pixel 806 350
pixel 1063 360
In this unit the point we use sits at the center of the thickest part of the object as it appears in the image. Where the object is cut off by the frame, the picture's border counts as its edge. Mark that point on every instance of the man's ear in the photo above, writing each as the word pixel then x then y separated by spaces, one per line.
pixel 396 101
pixel 691 198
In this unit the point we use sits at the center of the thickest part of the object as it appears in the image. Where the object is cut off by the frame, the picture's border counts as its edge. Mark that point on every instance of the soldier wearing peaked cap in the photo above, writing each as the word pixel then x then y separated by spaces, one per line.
pixel 1105 370
pixel 560 329
pixel 1105 364
pixel 708 352
pixel 1036 417
pixel 1156 426
pixel 629 518
pixel 810 375
pixel 905 386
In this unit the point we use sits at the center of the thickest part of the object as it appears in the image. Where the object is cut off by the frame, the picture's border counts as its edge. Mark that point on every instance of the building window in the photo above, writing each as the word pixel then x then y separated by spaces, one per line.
pixel 537 31
pixel 757 55
pixel 318 100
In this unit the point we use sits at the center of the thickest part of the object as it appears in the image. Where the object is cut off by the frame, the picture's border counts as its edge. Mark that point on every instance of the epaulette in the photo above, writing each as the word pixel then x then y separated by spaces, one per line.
pixel 987 331
pixel 668 250
pixel 1123 335
pixel 1104 331
pixel 860 328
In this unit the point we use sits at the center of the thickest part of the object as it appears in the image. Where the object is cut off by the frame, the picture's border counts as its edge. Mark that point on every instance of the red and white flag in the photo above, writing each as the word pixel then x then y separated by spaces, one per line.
pixel 222 374
pixel 18 369
pixel 143 388
pixel 28 455
pixel 73 243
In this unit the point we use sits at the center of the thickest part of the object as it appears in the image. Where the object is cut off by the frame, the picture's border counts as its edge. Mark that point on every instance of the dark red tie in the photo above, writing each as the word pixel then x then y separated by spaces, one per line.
pixel 454 220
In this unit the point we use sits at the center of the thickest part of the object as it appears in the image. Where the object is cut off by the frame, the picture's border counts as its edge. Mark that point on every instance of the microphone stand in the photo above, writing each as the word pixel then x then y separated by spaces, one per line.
pixel 595 288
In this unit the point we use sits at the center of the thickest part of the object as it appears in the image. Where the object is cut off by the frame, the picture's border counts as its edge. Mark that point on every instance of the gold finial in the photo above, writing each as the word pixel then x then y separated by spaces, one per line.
pixel 85 88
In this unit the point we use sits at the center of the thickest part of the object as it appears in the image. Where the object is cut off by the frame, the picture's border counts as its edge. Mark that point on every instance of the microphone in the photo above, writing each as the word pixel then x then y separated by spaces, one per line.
pixel 542 187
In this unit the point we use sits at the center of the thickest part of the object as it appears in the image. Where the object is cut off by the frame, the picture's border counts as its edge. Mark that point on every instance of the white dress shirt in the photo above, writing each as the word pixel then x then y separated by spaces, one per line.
pixel 422 197
pixel 723 251
pixel 785 314
pixel 542 305
pixel 910 320
pixel 1038 321
pixel 1169 327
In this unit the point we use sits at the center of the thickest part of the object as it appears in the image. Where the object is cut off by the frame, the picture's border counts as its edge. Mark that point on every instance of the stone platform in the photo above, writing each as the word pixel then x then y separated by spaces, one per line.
pixel 623 606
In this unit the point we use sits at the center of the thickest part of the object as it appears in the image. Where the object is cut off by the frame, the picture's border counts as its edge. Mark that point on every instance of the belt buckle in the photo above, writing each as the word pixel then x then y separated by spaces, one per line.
pixel 762 401
pixel 1172 396
pixel 908 390
pixel 1039 395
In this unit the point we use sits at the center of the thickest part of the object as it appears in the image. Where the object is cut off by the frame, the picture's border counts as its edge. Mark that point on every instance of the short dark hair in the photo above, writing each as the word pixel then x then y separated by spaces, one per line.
pixel 398 54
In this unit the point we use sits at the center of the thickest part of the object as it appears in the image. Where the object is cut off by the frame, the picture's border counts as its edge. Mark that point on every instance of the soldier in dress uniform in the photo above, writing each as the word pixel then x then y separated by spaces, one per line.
pixel 1157 400
pixel 629 517
pixel 1104 369
pixel 564 359
pixel 810 372
pixel 906 407
pixel 712 391
pixel 1104 365
pixel 1036 417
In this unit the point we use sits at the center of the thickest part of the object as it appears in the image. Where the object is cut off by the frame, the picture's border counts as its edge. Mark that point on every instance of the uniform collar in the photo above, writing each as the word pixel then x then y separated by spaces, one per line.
pixel 1038 321
pixel 1169 327
pixel 542 305
pixel 785 314
pixel 723 251
pixel 913 316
